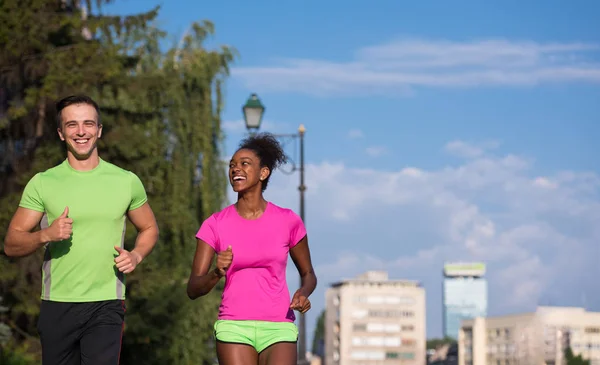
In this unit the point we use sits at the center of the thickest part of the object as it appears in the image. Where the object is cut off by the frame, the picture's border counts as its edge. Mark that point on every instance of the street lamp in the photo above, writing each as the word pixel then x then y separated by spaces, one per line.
pixel 253 112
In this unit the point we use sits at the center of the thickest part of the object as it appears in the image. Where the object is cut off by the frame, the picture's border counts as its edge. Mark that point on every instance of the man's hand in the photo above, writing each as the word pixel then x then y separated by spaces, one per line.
pixel 127 261
pixel 224 260
pixel 61 228
pixel 300 302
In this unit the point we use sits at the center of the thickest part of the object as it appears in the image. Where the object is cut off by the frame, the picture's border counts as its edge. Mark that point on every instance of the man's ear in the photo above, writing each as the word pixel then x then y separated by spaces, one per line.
pixel 60 134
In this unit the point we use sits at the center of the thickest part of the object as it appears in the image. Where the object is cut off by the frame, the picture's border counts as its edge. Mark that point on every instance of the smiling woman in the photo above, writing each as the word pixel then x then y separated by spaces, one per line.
pixel 252 239
pixel 254 161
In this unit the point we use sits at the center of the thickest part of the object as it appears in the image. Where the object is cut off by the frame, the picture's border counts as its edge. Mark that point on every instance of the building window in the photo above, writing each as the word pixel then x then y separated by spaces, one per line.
pixel 360 313
pixel 408 342
pixel 592 330
pixel 391 314
pixel 407 355
pixel 391 355
pixel 408 327
pixel 367 355
pixel 376 341
pixel 380 327
pixel 359 327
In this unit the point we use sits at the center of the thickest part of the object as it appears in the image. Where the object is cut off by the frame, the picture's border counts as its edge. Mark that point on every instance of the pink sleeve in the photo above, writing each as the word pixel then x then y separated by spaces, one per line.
pixel 208 233
pixel 297 229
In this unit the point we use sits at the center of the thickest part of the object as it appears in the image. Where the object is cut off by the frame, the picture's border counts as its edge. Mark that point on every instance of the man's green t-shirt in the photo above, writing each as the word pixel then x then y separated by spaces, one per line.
pixel 82 268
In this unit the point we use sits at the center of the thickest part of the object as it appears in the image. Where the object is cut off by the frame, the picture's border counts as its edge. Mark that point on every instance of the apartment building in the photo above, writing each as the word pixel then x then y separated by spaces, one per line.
pixel 376 321
pixel 537 338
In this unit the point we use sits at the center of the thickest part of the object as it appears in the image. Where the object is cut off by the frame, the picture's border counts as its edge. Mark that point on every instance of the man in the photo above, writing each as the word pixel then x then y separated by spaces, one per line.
pixel 81 205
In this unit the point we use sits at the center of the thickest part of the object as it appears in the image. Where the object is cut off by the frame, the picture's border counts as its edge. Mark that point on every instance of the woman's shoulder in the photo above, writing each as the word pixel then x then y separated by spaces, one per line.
pixel 221 214
pixel 282 211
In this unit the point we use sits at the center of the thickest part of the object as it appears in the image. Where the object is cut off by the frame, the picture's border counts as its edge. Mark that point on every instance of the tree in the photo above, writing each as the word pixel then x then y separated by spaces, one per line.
pixel 319 333
pixel 161 116
pixel 435 343
pixel 574 360
pixel 189 183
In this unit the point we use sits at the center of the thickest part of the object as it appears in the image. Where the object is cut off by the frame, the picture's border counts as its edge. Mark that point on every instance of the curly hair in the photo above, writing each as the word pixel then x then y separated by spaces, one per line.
pixel 269 151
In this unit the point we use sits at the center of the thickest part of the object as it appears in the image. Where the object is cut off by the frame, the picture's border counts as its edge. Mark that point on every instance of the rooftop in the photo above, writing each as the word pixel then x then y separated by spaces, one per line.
pixel 375 276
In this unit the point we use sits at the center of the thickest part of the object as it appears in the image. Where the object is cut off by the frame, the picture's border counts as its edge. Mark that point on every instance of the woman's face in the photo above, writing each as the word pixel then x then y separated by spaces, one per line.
pixel 245 171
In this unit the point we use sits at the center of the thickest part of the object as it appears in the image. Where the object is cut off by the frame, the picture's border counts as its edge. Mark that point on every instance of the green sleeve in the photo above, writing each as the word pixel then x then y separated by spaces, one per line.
pixel 138 193
pixel 32 195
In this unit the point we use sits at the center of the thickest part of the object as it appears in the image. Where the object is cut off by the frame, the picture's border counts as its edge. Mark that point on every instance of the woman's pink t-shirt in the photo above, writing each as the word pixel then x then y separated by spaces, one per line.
pixel 255 283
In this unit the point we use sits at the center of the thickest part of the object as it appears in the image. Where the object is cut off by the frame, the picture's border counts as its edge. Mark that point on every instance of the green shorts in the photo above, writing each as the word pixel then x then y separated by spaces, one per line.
pixel 258 334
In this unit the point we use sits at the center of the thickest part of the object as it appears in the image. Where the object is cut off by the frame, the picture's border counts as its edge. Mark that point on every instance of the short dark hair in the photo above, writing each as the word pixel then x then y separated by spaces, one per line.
pixel 72 100
pixel 269 151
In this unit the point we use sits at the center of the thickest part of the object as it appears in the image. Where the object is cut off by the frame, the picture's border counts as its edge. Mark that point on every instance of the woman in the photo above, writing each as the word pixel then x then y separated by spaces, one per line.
pixel 252 239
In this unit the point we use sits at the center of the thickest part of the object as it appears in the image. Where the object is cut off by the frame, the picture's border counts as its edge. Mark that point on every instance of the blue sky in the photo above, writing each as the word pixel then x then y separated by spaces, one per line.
pixel 436 131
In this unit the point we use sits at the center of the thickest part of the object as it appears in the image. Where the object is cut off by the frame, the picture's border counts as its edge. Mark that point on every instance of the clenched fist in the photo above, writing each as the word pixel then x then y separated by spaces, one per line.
pixel 224 259
pixel 300 302
pixel 127 261
pixel 61 228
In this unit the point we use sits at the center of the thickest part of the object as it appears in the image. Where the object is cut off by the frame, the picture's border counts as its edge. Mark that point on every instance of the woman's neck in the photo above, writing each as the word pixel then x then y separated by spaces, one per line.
pixel 251 205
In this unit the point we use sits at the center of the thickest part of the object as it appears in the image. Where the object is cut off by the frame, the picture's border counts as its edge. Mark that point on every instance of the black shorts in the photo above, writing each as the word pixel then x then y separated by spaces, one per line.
pixel 81 333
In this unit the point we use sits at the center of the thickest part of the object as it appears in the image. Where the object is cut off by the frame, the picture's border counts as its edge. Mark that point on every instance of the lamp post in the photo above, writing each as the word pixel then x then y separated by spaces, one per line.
pixel 253 112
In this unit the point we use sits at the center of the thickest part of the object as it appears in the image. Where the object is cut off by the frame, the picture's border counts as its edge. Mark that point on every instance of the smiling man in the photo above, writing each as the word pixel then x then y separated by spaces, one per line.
pixel 81 206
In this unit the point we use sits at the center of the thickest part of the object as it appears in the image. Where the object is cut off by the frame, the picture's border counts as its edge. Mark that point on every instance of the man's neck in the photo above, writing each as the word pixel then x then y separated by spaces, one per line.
pixel 88 164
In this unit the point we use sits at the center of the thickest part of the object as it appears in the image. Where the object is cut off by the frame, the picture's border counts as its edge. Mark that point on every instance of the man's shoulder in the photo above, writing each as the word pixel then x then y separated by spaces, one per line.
pixel 53 172
pixel 109 166
pixel 112 170
pixel 57 169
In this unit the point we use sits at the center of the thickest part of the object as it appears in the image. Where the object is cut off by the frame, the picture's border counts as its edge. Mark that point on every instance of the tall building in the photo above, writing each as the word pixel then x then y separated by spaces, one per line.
pixel 464 295
pixel 374 320
pixel 538 338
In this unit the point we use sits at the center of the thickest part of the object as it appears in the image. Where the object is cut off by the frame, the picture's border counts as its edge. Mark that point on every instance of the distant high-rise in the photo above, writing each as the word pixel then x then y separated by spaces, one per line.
pixel 374 320
pixel 464 295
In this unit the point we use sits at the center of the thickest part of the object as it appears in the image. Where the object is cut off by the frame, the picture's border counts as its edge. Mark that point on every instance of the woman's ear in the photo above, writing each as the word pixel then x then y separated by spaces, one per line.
pixel 264 173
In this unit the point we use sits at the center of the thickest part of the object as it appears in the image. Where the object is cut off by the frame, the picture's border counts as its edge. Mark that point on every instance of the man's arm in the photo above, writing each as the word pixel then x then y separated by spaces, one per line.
pixel 144 221
pixel 19 240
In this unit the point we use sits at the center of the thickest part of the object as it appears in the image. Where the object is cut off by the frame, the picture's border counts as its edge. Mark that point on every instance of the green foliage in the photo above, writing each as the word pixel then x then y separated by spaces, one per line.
pixel 5 332
pixel 319 333
pixel 574 360
pixel 161 118
pixel 435 343
pixel 17 354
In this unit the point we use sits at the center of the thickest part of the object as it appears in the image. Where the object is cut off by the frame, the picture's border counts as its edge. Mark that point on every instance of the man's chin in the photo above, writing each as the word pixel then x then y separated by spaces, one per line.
pixel 81 155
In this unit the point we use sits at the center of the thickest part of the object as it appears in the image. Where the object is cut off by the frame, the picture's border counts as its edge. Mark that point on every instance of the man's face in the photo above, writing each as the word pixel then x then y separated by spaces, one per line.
pixel 80 130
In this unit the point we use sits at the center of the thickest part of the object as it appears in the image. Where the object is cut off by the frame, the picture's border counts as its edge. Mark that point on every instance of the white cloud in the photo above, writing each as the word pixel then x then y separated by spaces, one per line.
pixel 467 150
pixel 401 65
pixel 544 182
pixel 375 151
pixel 538 235
pixel 355 133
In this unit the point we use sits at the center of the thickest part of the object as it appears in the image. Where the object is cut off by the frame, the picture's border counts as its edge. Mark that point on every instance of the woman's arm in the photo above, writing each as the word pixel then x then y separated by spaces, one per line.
pixel 201 281
pixel 300 254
